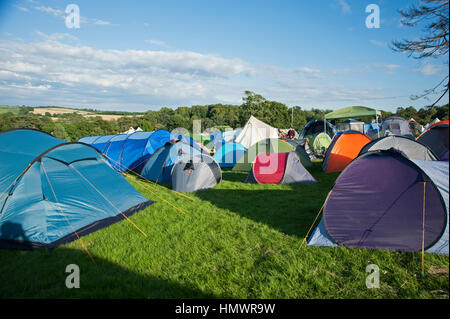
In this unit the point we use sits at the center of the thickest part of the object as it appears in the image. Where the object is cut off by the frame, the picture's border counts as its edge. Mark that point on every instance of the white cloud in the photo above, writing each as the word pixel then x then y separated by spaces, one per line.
pixel 22 67
pixel 101 22
pixel 55 12
pixel 73 71
pixel 392 66
pixel 307 70
pixel 157 42
pixel 345 7
pixel 29 86
pixel 57 36
pixel 62 15
pixel 58 70
pixel 429 69
pixel 379 43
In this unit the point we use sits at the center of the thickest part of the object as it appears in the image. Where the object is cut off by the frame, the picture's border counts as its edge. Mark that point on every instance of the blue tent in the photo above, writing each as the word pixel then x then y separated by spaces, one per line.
pixel 229 154
pixel 378 203
pixel 128 151
pixel 159 166
pixel 52 191
pixel 221 138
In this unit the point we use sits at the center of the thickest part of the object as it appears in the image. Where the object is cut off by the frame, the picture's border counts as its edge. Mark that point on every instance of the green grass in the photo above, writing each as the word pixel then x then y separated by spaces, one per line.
pixel 12 109
pixel 234 241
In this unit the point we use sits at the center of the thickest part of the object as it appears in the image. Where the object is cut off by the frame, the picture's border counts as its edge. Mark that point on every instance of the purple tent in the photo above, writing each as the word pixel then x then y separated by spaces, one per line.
pixel 377 203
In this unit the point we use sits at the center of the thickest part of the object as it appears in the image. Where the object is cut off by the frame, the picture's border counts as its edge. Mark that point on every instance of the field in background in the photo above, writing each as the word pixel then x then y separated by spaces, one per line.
pixel 233 241
pixel 58 110
pixel 12 109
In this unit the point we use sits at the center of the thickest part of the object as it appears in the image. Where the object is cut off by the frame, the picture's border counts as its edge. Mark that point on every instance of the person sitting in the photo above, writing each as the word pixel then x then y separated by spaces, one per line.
pixel 291 133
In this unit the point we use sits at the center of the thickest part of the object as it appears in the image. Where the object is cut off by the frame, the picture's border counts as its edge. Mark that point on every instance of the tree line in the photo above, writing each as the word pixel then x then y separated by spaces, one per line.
pixel 72 126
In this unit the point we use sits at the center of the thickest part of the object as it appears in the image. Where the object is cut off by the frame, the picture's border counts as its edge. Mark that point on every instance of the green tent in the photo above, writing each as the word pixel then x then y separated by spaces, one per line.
pixel 320 143
pixel 269 145
pixel 352 112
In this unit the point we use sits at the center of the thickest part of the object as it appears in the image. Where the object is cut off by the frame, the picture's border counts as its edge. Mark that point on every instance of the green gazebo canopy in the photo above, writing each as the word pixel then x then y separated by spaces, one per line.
pixel 352 112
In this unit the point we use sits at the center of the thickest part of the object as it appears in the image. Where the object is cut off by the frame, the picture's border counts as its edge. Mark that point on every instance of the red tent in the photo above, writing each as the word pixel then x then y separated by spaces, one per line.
pixel 279 168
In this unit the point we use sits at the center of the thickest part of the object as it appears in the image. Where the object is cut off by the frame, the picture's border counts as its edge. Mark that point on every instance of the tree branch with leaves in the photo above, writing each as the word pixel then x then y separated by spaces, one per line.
pixel 433 44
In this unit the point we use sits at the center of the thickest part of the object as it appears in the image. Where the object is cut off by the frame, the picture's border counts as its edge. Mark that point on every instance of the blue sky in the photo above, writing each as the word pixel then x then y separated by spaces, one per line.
pixel 140 55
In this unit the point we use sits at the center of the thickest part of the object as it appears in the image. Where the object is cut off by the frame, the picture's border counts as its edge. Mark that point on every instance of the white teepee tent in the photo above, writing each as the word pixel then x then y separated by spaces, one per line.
pixel 255 131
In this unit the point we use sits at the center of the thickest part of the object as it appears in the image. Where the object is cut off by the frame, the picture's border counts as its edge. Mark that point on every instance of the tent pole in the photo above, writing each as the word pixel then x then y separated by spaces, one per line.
pixel 378 127
pixel 292 116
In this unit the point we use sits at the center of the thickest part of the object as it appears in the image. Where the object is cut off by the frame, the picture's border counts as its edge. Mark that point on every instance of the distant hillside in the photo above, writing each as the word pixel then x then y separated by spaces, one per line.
pixel 55 112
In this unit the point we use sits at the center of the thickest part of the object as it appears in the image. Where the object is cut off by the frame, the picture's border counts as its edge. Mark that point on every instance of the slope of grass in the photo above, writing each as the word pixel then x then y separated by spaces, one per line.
pixel 234 241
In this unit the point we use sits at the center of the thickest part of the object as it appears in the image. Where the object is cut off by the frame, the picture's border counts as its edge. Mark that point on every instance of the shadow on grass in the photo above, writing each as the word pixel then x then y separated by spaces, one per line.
pixel 290 209
pixel 42 274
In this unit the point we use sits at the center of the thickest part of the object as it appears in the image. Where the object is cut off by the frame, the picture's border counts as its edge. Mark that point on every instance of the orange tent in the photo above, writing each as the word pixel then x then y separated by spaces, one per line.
pixel 344 148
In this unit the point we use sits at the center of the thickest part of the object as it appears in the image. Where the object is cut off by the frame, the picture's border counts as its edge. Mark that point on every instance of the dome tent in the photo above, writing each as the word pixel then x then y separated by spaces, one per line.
pixel 159 165
pixel 343 149
pixel 314 127
pixel 320 143
pixel 408 147
pixel 52 191
pixel 396 125
pixel 229 154
pixel 191 174
pixel 436 138
pixel 269 145
pixel 377 202
pixel 131 151
pixel 279 168
pixel 128 151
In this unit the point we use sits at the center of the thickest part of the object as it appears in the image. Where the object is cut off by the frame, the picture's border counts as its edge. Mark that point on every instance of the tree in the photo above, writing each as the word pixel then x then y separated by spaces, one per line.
pixel 435 15
pixel 273 113
pixel 299 119
pixel 60 132
pixel 407 113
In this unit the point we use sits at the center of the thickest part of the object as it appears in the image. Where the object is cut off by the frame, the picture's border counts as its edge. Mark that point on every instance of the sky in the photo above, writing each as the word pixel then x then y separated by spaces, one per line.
pixel 143 55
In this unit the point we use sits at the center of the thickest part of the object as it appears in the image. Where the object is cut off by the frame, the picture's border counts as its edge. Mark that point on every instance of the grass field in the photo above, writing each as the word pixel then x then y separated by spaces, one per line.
pixel 12 109
pixel 234 241
pixel 61 110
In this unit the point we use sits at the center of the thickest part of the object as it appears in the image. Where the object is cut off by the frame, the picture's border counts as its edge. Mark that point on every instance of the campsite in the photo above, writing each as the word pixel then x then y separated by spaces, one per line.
pixel 137 169
pixel 242 236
